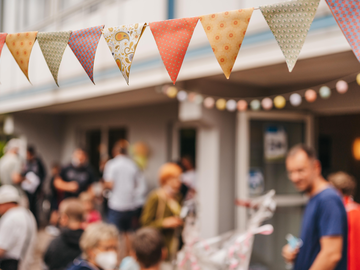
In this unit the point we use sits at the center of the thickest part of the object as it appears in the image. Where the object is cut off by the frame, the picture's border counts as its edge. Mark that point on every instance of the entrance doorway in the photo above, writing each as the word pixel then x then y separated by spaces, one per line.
pixel 187 143
pixel 263 141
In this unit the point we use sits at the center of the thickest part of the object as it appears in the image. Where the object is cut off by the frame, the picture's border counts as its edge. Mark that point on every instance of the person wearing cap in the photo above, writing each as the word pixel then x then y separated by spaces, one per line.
pixel 17 231
pixel 10 164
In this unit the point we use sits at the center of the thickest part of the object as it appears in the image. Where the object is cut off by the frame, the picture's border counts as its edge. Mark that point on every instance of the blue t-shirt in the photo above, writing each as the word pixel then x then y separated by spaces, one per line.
pixel 324 215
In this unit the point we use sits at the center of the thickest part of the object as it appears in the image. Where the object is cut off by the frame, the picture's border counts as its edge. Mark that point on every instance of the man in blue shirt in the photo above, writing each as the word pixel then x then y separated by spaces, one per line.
pixel 324 227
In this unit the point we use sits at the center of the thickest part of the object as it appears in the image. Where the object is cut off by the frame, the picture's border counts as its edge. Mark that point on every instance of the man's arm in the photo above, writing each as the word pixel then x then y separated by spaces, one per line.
pixel 108 184
pixel 330 253
pixel 62 185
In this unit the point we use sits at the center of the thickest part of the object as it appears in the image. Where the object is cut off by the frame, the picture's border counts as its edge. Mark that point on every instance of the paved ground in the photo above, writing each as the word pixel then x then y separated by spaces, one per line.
pixel 43 240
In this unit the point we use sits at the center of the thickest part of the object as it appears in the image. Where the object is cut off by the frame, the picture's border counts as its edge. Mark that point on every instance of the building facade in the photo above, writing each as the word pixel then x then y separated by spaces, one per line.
pixel 230 148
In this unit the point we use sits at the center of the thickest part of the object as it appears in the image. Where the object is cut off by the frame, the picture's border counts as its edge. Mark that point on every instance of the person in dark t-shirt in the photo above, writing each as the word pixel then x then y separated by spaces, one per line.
pixel 324 226
pixel 76 177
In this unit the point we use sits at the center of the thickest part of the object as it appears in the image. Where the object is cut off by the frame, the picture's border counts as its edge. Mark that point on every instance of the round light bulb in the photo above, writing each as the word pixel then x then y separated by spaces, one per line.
pixel 325 92
pixel 279 102
pixel 267 104
pixel 342 87
pixel 182 95
pixel 231 105
pixel 221 104
pixel 295 99
pixel 310 95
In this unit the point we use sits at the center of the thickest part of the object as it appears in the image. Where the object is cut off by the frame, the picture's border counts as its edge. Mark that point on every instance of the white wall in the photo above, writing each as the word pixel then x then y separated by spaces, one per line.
pixel 147 124
pixel 44 132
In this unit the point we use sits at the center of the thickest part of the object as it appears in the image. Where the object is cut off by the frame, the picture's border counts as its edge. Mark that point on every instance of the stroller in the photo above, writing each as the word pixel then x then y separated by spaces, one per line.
pixel 231 250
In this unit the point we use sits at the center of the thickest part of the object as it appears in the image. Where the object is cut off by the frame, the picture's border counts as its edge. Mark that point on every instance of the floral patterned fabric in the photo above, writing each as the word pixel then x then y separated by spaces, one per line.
pixel 122 42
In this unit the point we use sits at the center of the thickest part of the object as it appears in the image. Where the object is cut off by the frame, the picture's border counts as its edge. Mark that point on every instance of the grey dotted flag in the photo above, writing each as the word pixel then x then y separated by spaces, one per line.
pixel 53 45
pixel 290 22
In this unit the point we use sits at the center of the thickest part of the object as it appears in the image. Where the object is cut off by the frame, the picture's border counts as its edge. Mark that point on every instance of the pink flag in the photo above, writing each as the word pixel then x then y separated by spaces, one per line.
pixel 84 44
pixel 347 15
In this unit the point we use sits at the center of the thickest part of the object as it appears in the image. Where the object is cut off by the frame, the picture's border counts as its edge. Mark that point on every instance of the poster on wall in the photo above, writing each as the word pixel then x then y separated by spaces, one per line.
pixel 275 143
pixel 256 182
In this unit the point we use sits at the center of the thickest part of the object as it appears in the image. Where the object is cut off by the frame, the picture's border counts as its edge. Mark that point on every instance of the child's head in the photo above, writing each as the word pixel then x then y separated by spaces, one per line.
pixel 148 246
pixel 71 210
pixel 87 201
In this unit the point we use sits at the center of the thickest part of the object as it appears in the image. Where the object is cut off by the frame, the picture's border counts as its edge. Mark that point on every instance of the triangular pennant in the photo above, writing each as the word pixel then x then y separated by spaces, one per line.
pixel 53 45
pixel 84 43
pixel 2 41
pixel 225 32
pixel 172 38
pixel 122 42
pixel 290 23
pixel 347 15
pixel 20 46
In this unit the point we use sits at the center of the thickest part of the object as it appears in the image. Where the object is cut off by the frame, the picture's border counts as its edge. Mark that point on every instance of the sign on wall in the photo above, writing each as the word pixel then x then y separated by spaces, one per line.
pixel 275 143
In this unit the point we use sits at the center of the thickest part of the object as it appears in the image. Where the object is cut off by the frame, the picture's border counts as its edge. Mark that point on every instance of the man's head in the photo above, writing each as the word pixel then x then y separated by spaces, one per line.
pixel 9 198
pixel 343 182
pixel 13 146
pixel 303 167
pixel 79 157
pixel 120 147
pixel 30 152
pixel 71 212
pixel 148 247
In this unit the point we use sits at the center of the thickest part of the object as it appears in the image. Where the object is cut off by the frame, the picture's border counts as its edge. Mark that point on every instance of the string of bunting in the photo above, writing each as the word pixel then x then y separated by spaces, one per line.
pixel 288 21
pixel 265 103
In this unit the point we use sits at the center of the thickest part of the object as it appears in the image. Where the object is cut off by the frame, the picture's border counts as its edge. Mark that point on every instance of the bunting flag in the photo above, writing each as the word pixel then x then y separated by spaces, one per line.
pixel 122 42
pixel 290 23
pixel 20 46
pixel 225 32
pixel 347 15
pixel 84 43
pixel 172 38
pixel 53 45
pixel 2 41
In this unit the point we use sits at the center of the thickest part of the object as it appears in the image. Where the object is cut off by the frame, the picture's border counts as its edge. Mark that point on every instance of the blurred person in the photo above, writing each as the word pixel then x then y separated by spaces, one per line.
pixel 55 198
pixel 324 226
pixel 17 231
pixel 189 175
pixel 91 215
pixel 77 176
pixel 100 246
pixel 346 185
pixel 11 165
pixel 148 248
pixel 127 184
pixel 162 208
pixel 34 175
pixel 65 247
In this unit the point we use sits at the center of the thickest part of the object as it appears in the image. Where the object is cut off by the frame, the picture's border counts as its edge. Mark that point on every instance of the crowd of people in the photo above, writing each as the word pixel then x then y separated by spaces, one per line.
pixel 86 232
pixel 148 224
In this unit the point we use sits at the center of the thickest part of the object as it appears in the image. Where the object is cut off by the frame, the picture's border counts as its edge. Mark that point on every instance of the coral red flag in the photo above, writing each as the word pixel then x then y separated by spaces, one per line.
pixel 172 38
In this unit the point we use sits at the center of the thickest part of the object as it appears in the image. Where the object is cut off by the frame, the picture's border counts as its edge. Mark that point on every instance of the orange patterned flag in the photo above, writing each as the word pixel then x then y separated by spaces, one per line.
pixel 20 46
pixel 172 38
pixel 225 32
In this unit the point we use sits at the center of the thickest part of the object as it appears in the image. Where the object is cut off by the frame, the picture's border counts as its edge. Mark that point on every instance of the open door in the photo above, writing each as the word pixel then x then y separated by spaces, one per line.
pixel 263 139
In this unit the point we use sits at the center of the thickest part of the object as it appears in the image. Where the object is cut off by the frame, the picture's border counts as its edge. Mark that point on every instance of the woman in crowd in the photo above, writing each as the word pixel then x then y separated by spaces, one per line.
pixel 162 208
pixel 100 246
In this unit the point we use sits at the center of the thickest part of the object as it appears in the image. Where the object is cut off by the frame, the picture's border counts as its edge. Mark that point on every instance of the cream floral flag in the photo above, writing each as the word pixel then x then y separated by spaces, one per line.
pixel 122 42
pixel 290 23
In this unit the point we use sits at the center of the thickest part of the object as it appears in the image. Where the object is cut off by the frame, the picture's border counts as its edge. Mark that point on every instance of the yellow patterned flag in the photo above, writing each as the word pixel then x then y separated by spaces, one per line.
pixel 225 32
pixel 20 46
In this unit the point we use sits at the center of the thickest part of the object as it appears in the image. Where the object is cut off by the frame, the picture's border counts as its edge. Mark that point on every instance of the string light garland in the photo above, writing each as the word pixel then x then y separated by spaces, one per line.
pixel 266 103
